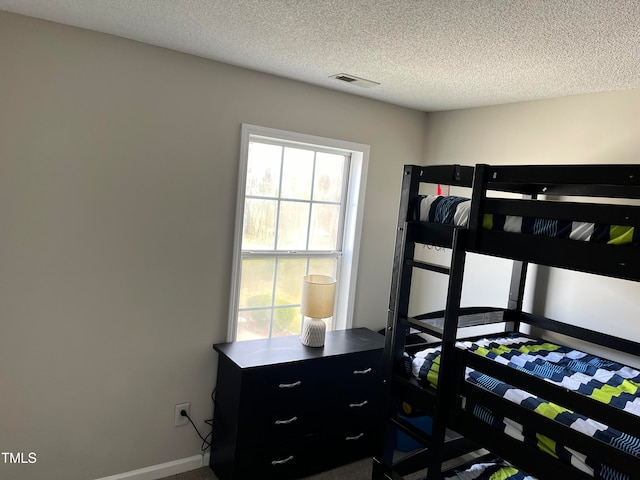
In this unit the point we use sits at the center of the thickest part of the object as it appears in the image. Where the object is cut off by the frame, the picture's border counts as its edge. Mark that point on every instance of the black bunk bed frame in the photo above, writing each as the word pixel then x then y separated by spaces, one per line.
pixel 443 403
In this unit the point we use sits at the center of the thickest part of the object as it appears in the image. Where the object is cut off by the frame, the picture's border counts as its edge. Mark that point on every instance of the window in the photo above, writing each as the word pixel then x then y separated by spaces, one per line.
pixel 299 208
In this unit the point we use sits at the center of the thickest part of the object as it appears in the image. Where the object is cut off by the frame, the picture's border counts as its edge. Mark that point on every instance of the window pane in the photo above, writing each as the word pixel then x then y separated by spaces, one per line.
pixel 323 266
pixel 324 227
pixel 328 179
pixel 292 203
pixel 292 226
pixel 259 227
pixel 256 282
pixel 253 324
pixel 289 280
pixel 286 321
pixel 297 172
pixel 263 169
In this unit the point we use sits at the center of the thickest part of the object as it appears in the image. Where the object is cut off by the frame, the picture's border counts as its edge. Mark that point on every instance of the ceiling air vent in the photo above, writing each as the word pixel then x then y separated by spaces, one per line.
pixel 353 80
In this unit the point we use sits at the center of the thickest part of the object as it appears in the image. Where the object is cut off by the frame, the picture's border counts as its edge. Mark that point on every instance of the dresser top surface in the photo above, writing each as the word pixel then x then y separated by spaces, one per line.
pixel 256 353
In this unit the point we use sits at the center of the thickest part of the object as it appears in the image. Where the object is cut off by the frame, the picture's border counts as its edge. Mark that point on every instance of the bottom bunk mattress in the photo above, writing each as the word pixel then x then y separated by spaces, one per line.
pixel 606 381
pixel 489 471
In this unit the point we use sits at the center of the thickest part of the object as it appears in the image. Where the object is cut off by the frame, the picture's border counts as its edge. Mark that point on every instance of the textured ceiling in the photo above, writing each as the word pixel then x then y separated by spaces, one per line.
pixel 430 54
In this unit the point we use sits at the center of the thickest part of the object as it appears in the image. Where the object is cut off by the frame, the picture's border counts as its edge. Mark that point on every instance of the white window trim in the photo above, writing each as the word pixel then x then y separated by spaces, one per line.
pixel 354 208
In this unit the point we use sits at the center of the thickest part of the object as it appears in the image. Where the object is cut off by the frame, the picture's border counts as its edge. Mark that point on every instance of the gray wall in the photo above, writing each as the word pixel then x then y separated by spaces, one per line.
pixel 596 128
pixel 118 173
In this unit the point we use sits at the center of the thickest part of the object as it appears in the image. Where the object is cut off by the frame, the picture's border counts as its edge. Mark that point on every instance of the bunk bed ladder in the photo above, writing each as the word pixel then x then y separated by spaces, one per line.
pixel 396 331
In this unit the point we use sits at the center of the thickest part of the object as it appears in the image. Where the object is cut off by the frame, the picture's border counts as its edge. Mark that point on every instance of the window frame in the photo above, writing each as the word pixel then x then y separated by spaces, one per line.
pixel 350 227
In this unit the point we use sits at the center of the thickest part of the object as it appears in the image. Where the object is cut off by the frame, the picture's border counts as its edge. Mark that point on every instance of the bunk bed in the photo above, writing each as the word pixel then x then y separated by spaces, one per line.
pixel 522 397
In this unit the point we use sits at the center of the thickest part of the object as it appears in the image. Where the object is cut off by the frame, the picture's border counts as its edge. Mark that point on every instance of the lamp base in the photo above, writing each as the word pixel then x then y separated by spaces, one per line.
pixel 313 330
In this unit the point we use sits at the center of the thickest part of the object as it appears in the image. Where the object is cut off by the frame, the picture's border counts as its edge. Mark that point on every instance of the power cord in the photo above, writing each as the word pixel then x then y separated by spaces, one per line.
pixel 206 443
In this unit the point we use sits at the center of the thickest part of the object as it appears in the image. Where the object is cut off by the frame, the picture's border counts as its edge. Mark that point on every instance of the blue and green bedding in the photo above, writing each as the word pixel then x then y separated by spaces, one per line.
pixel 490 471
pixel 453 210
pixel 608 382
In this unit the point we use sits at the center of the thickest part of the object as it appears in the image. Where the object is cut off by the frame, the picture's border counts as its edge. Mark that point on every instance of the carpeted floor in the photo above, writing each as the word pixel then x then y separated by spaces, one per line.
pixel 360 470
pixel 203 473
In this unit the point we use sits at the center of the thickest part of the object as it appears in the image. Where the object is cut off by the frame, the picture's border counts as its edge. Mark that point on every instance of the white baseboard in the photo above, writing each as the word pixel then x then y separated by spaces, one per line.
pixel 162 470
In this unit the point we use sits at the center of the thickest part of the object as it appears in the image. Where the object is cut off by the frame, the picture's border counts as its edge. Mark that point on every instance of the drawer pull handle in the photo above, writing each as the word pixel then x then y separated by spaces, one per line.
pixel 290 385
pixel 286 422
pixel 280 462
pixel 356 405
pixel 362 372
pixel 357 437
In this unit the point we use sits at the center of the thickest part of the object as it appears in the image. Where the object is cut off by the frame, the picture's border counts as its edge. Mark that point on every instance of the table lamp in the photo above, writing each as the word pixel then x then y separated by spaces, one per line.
pixel 318 295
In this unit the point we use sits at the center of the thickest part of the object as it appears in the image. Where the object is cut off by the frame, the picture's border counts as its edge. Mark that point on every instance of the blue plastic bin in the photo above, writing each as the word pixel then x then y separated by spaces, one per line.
pixel 404 442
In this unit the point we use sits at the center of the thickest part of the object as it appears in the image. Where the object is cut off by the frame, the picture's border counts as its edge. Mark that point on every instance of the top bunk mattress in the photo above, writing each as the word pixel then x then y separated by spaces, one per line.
pixel 454 210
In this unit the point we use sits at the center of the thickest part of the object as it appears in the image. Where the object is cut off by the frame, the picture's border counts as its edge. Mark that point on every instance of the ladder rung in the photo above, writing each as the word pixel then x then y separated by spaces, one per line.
pixel 428 266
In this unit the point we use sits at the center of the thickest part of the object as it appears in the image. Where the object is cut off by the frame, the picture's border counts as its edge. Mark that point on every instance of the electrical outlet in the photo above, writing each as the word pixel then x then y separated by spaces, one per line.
pixel 179 419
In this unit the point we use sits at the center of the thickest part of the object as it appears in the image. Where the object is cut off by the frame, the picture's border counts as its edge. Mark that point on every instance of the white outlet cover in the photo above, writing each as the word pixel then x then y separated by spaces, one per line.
pixel 179 420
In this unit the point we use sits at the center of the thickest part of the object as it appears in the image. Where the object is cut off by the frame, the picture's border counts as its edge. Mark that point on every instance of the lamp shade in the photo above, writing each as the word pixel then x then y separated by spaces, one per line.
pixel 318 295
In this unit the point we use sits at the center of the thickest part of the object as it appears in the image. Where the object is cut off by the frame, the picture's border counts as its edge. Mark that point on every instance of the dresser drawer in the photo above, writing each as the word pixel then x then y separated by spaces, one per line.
pixel 366 412
pixel 302 457
pixel 355 375
pixel 353 443
pixel 280 460
pixel 266 426
pixel 283 384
